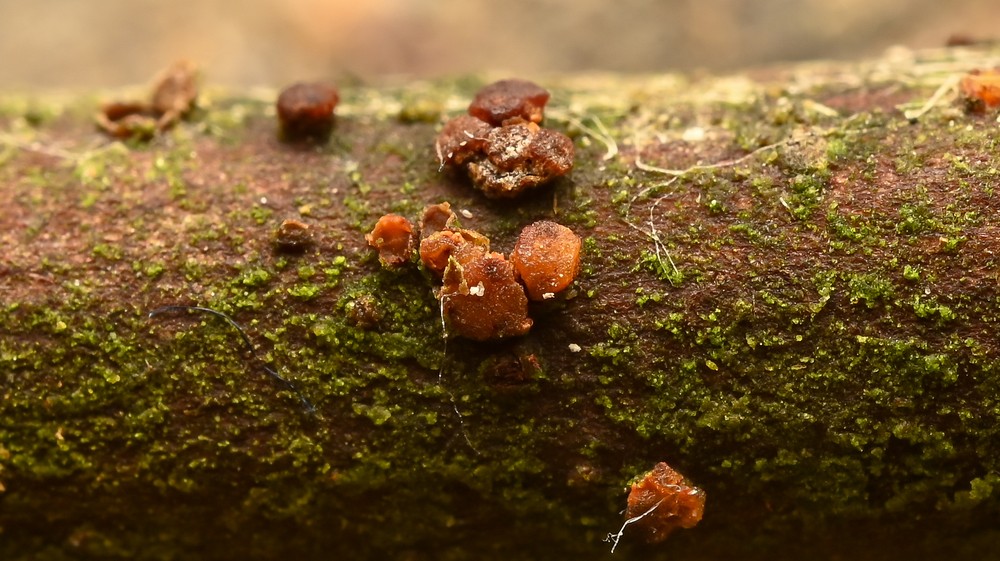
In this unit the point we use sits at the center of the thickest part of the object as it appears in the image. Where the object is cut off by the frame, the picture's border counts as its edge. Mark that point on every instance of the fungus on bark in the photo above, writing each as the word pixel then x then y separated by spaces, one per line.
pixel 483 295
pixel 500 145
pixel 393 238
pixel 461 139
pixel 519 157
pixel 981 90
pixel 663 501
pixel 510 100
pixel 547 258
pixel 305 111
pixel 482 300
pixel 292 236
pixel 439 248
pixel 436 218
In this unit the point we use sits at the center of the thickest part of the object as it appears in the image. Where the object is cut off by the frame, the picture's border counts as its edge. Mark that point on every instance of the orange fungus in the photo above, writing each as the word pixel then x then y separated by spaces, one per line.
pixel 519 157
pixel 393 238
pixel 663 501
pixel 436 218
pixel 482 300
pixel 461 139
pixel 500 144
pixel 981 90
pixel 438 248
pixel 547 258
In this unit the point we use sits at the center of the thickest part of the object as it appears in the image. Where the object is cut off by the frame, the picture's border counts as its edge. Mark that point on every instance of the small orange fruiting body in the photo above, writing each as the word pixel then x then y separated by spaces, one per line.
pixel 439 248
pixel 393 238
pixel 509 100
pixel 677 504
pixel 981 90
pixel 436 218
pixel 547 258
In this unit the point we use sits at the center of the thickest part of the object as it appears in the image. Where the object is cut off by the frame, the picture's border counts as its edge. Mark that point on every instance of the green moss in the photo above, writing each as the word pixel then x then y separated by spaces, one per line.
pixel 929 308
pixel 661 266
pixel 107 251
pixel 870 289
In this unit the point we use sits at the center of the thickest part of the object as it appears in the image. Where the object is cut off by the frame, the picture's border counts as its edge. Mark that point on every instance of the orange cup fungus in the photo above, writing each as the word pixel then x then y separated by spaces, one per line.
pixel 981 90
pixel 483 295
pixel 500 144
pixel 547 258
pixel 393 238
pixel 482 300
pixel 663 501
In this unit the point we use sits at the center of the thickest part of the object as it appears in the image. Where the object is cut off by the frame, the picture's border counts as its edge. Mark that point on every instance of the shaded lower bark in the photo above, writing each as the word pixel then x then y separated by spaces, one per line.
pixel 799 314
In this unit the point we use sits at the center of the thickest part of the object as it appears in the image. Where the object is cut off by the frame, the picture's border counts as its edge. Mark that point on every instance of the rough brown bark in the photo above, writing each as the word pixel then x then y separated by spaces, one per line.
pixel 802 320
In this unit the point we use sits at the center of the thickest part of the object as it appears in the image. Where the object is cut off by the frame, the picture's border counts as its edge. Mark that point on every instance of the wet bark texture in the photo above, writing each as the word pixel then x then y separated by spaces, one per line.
pixel 788 293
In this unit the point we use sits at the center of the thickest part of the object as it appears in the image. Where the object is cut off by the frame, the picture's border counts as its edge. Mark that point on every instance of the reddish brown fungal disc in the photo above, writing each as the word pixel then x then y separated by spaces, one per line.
pixel 393 238
pixel 439 248
pixel 436 218
pixel 305 110
pixel 462 139
pixel 981 90
pixel 665 502
pixel 509 100
pixel 482 300
pixel 547 258
pixel 500 144
pixel 519 157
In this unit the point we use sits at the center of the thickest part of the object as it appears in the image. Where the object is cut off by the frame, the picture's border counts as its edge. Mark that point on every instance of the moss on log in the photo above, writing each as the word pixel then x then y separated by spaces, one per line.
pixel 789 293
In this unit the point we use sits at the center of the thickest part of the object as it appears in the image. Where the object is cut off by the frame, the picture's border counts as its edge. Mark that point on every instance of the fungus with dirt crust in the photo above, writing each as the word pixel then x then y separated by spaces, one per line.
pixel 659 503
pixel 500 144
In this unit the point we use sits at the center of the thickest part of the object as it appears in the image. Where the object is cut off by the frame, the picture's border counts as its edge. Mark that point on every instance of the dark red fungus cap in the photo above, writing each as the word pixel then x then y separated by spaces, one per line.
pixel 506 100
pixel 305 110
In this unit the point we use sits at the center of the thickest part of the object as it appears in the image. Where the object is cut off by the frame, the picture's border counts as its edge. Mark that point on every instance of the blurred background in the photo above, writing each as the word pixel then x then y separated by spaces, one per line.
pixel 107 43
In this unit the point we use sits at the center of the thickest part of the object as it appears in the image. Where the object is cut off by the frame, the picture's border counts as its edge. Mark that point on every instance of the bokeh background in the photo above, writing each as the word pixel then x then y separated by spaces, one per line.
pixel 107 43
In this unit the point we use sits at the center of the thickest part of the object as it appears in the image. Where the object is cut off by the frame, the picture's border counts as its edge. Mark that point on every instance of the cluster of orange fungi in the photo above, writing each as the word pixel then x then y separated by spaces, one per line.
pixel 484 295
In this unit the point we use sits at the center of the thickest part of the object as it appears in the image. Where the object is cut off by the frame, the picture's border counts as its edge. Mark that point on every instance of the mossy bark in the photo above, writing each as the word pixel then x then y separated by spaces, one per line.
pixel 803 321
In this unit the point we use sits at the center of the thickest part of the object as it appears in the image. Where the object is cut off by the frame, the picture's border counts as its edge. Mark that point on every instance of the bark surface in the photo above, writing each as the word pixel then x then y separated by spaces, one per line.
pixel 788 293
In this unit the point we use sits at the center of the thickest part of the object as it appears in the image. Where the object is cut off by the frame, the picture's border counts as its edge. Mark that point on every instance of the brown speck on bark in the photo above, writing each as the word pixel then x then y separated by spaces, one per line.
pixel 292 236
